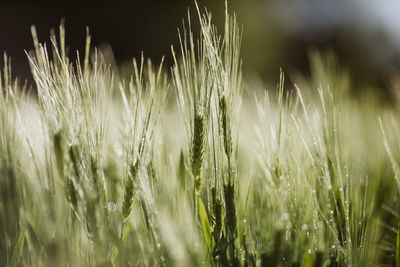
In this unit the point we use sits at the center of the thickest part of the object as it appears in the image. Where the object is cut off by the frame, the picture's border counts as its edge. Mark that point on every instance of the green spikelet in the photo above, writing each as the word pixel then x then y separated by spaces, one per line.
pixel 91 222
pixel 133 170
pixel 213 191
pixel 59 152
pixel 181 171
pixel 197 150
pixel 129 192
pixel 110 187
pixel 94 168
pixel 74 157
pixel 218 209
pixel 151 172
pixel 225 127
pixel 72 194
pixel 128 199
pixel 98 183
pixel 230 209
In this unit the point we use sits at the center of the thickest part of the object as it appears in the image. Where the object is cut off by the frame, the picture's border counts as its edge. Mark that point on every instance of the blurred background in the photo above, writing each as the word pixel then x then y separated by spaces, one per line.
pixel 363 35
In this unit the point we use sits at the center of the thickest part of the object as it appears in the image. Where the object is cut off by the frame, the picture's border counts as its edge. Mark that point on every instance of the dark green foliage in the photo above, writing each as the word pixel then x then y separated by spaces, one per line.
pixel 250 259
pixel 9 212
pixel 398 247
pixel 275 258
pixel 319 257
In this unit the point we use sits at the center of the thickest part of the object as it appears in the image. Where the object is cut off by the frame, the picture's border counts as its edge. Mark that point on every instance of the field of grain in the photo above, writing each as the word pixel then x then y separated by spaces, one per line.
pixel 193 165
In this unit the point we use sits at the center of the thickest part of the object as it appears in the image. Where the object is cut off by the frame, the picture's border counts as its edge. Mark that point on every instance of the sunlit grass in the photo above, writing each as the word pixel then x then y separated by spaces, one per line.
pixel 190 166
